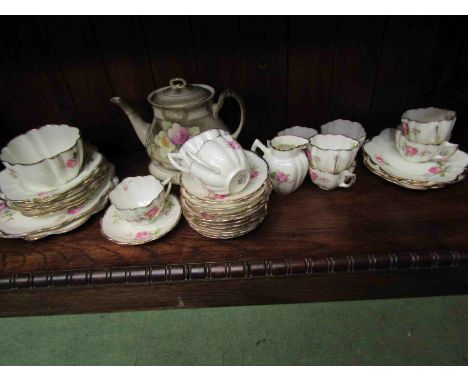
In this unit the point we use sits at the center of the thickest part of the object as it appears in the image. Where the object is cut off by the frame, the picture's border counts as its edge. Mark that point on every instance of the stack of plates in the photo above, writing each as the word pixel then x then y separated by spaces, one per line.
pixel 31 215
pixel 381 156
pixel 226 217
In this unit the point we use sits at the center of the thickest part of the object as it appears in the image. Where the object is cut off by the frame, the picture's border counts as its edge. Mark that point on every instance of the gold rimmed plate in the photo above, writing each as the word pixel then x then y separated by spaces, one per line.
pixel 228 234
pixel 407 183
pixel 15 225
pixel 13 190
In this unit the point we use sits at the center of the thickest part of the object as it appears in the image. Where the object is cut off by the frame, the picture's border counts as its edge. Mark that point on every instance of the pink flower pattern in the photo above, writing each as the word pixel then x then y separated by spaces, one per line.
pixel 379 160
pixel 73 211
pixel 178 134
pixel 253 174
pixel 71 163
pixel 411 151
pixel 142 235
pixel 405 128
pixel 281 176
pixel 152 212
pixel 42 194
pixel 435 170
pixel 206 215
pixel 313 175
pixel 234 145
pixel 316 158
pixel 2 206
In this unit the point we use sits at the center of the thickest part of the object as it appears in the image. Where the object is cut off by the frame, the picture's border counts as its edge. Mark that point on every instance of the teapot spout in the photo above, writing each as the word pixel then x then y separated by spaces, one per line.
pixel 141 127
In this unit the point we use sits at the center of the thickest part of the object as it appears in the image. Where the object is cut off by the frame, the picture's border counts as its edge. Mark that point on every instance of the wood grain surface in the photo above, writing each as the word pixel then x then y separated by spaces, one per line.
pixel 375 227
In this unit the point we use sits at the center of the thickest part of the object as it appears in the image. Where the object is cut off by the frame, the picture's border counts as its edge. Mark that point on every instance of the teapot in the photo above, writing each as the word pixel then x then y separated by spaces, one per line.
pixel 180 111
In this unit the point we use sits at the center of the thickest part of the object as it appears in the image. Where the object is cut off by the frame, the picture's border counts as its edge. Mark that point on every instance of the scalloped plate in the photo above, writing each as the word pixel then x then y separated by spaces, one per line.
pixel 382 150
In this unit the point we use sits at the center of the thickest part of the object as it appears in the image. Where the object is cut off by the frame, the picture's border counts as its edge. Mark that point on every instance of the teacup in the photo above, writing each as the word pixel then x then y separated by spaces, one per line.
pixel 45 158
pixel 332 152
pixel 417 152
pixel 216 159
pixel 329 181
pixel 428 126
pixel 140 199
pixel 347 128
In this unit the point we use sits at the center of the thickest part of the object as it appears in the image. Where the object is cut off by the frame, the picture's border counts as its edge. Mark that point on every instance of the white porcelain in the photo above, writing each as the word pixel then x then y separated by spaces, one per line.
pixel 347 128
pixel 417 152
pixel 45 158
pixel 258 173
pixel 120 231
pixel 140 199
pixel 72 224
pixel 429 126
pixel 14 190
pixel 383 151
pixel 299 131
pixel 15 225
pixel 216 159
pixel 329 181
pixel 407 183
pixel 286 160
pixel 332 152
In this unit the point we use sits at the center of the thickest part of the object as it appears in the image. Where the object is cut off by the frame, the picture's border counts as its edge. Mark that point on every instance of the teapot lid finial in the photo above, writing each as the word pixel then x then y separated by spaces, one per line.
pixel 177 83
pixel 180 94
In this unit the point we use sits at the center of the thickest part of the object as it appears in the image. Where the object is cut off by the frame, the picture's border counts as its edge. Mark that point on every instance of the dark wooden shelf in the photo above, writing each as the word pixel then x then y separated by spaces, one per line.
pixel 375 240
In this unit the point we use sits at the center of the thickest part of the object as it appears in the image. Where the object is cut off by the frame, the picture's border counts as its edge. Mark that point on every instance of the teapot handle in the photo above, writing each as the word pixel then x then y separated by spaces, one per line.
pixel 217 107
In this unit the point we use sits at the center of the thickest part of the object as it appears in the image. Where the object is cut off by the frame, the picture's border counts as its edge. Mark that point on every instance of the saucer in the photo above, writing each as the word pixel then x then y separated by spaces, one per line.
pixel 411 184
pixel 67 227
pixel 13 224
pixel 14 190
pixel 258 176
pixel 383 152
pixel 118 230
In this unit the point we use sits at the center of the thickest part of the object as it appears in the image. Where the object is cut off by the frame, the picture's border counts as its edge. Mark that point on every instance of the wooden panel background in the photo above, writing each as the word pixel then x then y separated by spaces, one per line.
pixel 290 70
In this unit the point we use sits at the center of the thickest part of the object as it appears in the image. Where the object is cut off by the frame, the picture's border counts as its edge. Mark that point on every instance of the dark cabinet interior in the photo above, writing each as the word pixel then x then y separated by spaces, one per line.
pixel 290 70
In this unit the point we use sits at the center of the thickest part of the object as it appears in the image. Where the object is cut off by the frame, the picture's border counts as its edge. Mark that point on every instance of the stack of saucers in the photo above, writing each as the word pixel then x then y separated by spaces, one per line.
pixel 228 214
pixel 418 154
pixel 224 217
pixel 53 183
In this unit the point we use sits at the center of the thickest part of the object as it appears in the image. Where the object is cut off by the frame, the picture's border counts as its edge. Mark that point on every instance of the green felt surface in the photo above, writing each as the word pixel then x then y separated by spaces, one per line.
pixel 401 331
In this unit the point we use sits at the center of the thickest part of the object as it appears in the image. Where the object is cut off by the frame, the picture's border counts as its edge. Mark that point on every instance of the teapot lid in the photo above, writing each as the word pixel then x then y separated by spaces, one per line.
pixel 179 94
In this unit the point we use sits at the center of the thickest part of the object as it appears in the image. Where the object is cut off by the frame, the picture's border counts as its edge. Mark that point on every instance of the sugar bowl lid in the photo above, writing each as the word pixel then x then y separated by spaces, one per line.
pixel 179 94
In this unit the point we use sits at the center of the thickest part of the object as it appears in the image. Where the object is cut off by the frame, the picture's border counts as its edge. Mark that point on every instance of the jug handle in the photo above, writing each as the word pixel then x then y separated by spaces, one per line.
pixel 217 107
pixel 259 145
pixel 172 158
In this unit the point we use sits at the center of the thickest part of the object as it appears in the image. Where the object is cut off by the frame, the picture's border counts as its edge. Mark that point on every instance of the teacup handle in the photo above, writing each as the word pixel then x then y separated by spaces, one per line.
pixel 172 158
pixel 259 145
pixel 167 182
pixel 350 179
pixel 448 149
